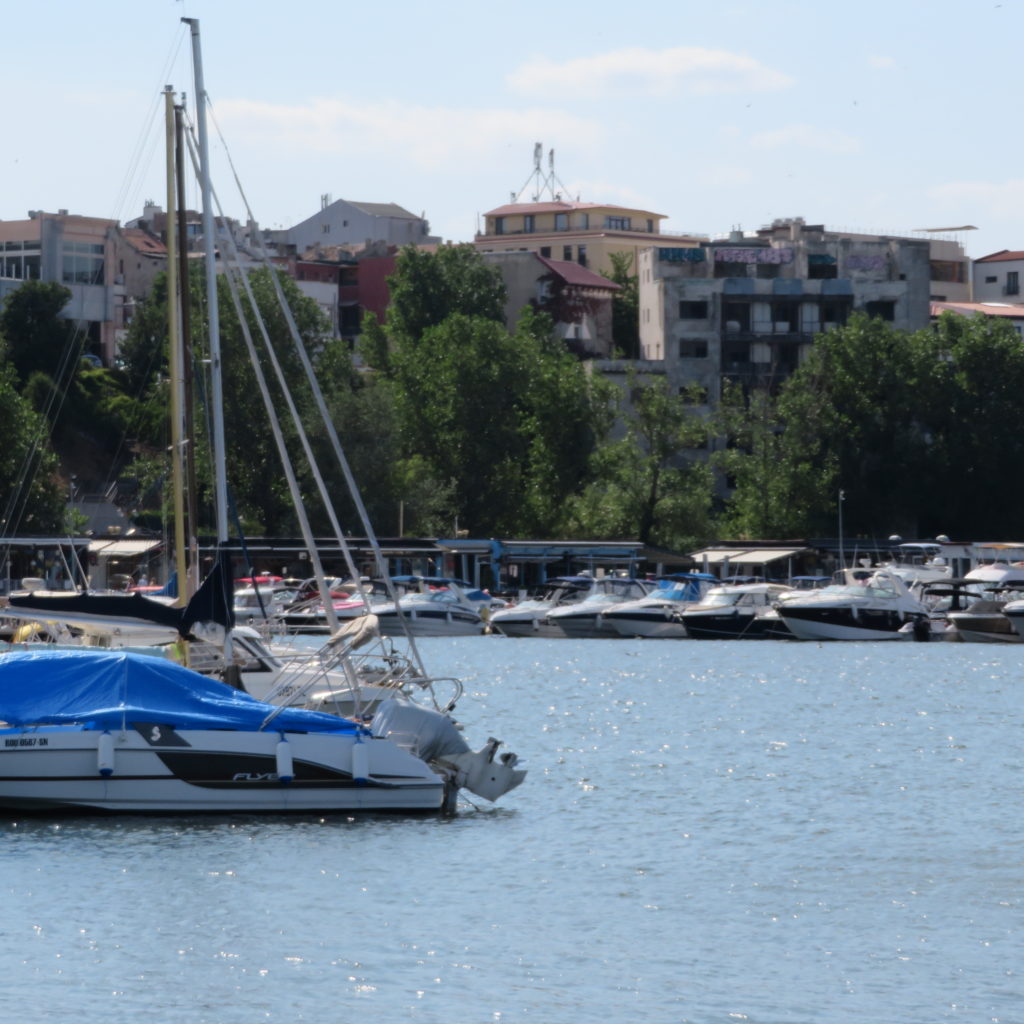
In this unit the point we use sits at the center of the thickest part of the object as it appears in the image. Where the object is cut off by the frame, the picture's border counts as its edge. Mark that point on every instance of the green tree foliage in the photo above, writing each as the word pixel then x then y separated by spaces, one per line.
pixel 625 306
pixel 426 289
pixel 501 423
pixel 33 497
pixel 781 482
pixel 256 482
pixel 913 427
pixel 38 340
pixel 643 485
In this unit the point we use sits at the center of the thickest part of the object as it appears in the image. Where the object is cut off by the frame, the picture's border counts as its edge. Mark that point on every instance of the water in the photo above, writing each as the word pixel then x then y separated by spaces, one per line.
pixel 762 832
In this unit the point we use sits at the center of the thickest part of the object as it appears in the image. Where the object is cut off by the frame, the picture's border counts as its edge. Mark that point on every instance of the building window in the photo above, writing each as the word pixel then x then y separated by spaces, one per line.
pixel 991 280
pixel 581 255
pixel 561 222
pixel 545 251
pixel 618 223
pixel 736 316
pixel 650 226
pixel 567 252
pixel 697 349
pixel 528 223
pixel 693 310
pixel 883 310
pixel 822 267
pixel 499 225
pixel 1012 283
pixel 583 221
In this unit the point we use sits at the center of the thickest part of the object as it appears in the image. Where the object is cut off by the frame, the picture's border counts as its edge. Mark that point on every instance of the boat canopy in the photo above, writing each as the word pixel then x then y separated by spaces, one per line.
pixel 111 689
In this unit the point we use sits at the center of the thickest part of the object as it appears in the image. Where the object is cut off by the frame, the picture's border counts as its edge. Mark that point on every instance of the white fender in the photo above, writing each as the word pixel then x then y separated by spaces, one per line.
pixel 360 760
pixel 105 754
pixel 285 768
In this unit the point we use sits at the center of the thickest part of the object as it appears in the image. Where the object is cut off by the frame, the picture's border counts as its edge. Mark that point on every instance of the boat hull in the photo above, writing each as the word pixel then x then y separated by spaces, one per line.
pixel 431 622
pixel 578 627
pixel 651 623
pixel 985 629
pixel 157 769
pixel 844 623
pixel 730 626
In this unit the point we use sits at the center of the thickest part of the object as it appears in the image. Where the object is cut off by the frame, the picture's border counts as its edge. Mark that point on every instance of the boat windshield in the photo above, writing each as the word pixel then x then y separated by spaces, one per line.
pixel 720 598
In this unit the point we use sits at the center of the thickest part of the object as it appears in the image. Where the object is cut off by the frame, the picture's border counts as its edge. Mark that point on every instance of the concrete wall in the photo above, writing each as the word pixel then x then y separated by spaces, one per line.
pixel 988 290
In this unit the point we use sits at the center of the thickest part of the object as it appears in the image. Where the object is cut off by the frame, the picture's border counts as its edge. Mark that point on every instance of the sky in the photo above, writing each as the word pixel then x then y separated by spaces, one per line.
pixel 877 116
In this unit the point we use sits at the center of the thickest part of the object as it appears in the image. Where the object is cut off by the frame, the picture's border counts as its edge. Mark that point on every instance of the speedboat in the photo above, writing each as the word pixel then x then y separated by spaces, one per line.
pixel 740 612
pixel 526 618
pixel 119 732
pixel 584 619
pixel 438 607
pixel 985 620
pixel 659 614
pixel 867 604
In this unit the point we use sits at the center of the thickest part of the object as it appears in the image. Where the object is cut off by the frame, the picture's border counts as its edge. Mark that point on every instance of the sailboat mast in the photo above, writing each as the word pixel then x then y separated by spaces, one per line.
pixel 174 342
pixel 216 369
pixel 185 277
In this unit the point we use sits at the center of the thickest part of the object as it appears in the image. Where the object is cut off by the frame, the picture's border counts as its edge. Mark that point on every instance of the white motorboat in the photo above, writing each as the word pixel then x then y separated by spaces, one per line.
pixel 990 588
pixel 738 612
pixel 583 619
pixel 659 614
pixel 526 618
pixel 119 732
pixel 868 604
pixel 439 606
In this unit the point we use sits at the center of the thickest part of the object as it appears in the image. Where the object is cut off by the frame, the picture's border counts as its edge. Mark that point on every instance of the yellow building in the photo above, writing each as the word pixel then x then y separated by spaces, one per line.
pixel 584 233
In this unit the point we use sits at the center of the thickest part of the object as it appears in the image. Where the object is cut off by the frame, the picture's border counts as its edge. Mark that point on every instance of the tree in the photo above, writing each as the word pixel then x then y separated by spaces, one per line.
pixel 625 306
pixel 643 485
pixel 34 499
pixel 38 339
pixel 502 423
pixel 428 287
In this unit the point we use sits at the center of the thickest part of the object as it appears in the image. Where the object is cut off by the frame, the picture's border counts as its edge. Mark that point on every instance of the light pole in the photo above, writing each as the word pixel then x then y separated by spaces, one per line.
pixel 842 554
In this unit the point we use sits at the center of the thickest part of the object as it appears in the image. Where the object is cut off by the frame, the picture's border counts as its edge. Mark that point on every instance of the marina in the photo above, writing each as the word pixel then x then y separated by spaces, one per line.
pixel 761 832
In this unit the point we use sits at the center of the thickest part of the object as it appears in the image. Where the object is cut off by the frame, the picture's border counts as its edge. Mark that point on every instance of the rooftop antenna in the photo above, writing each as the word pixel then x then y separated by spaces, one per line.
pixel 542 183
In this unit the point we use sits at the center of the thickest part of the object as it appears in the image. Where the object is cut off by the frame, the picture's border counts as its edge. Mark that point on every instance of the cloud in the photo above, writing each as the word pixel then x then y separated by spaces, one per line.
pixel 806 136
pixel 426 137
pixel 635 70
pixel 885 63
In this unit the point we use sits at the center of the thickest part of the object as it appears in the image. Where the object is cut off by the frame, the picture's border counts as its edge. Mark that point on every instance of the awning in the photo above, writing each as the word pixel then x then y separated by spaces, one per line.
pixel 762 556
pixel 744 556
pixel 715 556
pixel 122 548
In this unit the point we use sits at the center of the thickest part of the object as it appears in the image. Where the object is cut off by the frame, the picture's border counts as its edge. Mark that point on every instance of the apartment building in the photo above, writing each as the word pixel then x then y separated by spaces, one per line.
pixel 577 232
pixel 106 268
pixel 997 277
pixel 747 309
pixel 346 222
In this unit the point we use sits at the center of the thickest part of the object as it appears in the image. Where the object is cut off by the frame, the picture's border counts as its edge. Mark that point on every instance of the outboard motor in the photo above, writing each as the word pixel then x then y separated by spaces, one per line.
pixel 431 736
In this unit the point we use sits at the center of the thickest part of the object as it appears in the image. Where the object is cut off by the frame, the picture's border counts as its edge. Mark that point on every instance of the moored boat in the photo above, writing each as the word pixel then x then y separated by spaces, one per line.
pixel 737 612
pixel 118 732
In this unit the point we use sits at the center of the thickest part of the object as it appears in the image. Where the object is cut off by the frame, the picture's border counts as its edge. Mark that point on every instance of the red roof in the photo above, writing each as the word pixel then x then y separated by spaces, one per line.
pixel 560 206
pixel 985 308
pixel 1003 254
pixel 573 273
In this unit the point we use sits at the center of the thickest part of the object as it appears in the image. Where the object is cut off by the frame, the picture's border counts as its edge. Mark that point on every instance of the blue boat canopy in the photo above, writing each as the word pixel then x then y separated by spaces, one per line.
pixel 108 689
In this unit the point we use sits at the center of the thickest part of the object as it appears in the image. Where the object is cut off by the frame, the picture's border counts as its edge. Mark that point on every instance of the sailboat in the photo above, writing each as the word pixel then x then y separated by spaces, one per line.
pixel 117 731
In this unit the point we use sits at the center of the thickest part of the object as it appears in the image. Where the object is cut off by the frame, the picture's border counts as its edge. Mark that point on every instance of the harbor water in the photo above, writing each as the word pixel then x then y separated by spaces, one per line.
pixel 710 832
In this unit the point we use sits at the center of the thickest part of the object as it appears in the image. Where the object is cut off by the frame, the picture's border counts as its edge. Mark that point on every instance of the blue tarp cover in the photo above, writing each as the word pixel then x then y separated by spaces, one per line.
pixel 108 688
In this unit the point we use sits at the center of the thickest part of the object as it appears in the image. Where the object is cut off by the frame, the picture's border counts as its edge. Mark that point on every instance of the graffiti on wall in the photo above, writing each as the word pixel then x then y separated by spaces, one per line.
pixel 751 255
pixel 681 255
